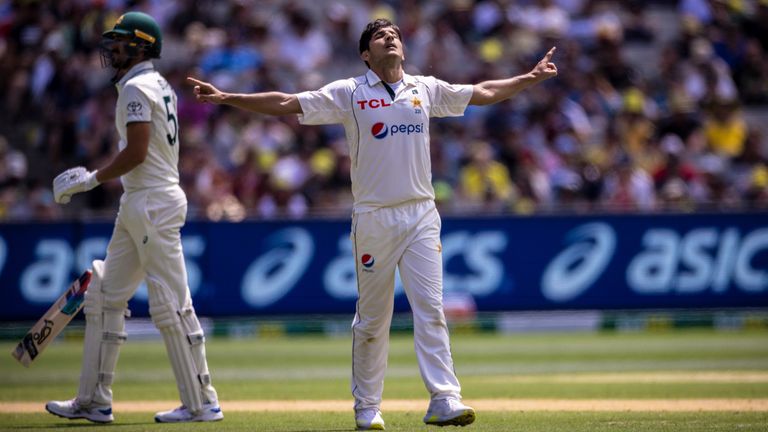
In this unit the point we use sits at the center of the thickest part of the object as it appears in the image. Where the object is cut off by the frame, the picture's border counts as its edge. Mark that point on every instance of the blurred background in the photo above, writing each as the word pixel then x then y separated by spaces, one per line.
pixel 660 105
pixel 636 179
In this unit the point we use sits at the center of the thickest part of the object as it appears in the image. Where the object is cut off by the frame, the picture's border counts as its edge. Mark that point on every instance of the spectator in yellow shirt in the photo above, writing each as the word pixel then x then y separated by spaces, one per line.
pixel 725 128
pixel 484 180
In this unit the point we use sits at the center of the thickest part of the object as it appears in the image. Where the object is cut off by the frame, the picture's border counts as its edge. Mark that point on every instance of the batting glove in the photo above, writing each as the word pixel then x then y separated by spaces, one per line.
pixel 72 181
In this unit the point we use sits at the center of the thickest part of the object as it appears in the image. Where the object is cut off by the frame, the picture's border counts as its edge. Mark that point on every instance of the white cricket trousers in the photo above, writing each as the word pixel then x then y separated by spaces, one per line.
pixel 406 237
pixel 146 243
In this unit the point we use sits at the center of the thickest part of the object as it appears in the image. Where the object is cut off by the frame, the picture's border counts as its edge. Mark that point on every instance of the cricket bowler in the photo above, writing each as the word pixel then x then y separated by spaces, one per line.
pixel 395 223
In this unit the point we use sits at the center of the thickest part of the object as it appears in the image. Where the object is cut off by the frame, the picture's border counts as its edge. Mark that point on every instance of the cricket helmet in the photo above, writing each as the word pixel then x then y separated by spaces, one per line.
pixel 142 32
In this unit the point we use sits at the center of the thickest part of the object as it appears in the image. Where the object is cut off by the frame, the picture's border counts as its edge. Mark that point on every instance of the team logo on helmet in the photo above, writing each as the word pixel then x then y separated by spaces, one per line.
pixel 367 260
pixel 379 131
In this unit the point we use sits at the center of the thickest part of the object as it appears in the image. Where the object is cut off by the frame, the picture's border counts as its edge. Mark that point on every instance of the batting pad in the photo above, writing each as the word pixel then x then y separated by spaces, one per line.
pixel 104 334
pixel 185 343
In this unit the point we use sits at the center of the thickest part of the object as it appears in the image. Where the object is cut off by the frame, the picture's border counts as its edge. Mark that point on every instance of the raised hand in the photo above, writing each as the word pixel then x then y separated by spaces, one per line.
pixel 205 92
pixel 545 69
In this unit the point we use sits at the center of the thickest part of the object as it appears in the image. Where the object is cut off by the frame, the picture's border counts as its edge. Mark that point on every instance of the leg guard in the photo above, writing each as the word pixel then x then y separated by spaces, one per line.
pixel 185 343
pixel 104 334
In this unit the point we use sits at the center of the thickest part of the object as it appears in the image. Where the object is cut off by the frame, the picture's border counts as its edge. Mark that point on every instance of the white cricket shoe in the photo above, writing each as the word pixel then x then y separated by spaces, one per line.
pixel 369 419
pixel 71 409
pixel 449 412
pixel 210 412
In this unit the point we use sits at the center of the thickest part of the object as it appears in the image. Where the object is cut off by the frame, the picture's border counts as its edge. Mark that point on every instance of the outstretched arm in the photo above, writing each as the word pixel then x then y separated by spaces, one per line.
pixel 271 103
pixel 490 92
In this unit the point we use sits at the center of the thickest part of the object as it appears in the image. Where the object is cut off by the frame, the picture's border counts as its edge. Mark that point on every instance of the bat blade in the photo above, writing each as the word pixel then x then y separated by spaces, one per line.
pixel 53 321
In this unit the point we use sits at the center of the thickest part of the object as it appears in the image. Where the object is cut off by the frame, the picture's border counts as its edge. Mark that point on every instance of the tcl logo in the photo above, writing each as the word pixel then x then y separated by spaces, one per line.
pixel 372 103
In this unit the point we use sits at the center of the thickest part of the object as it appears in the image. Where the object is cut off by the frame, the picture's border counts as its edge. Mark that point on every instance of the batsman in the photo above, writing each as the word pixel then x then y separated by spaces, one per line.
pixel 146 241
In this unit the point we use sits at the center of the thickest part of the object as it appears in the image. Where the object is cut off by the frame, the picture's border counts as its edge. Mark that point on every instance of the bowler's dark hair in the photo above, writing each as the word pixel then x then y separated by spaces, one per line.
pixel 372 28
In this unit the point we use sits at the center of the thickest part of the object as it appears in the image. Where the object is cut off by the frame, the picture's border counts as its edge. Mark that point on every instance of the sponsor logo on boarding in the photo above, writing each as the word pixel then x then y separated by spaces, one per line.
pixel 578 267
pixel 367 261
pixel 380 130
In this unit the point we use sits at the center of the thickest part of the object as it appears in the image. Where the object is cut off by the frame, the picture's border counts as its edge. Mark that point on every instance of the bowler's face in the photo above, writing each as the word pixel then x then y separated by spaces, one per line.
pixel 385 45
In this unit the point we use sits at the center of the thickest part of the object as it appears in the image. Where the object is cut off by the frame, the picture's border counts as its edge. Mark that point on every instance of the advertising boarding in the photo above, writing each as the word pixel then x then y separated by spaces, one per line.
pixel 499 263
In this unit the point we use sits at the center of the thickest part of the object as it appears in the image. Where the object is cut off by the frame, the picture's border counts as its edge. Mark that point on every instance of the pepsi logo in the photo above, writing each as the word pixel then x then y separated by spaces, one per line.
pixel 379 131
pixel 367 259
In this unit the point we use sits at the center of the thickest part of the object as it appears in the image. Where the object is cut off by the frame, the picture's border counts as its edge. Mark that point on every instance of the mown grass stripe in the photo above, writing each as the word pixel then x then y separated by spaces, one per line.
pixel 418 405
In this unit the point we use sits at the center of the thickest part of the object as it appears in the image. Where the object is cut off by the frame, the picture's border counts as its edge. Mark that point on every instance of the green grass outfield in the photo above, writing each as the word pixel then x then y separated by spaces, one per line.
pixel 677 380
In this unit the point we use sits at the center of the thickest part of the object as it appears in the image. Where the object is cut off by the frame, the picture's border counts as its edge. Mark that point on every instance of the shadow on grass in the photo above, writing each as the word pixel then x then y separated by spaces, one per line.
pixel 82 424
pixel 132 426
pixel 314 430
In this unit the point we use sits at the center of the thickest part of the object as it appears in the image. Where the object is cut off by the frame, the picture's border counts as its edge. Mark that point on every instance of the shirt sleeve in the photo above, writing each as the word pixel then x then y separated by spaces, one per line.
pixel 329 105
pixel 136 104
pixel 448 100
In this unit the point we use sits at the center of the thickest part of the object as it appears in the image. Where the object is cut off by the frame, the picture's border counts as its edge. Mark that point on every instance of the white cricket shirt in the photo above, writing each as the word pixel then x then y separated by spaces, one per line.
pixel 388 139
pixel 145 96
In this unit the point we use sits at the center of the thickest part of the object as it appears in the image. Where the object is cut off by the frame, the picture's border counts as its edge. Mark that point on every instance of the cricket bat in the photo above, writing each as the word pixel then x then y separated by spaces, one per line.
pixel 53 322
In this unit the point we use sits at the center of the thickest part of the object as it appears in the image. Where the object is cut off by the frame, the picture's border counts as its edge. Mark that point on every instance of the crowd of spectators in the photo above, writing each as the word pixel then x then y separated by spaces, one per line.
pixel 648 112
